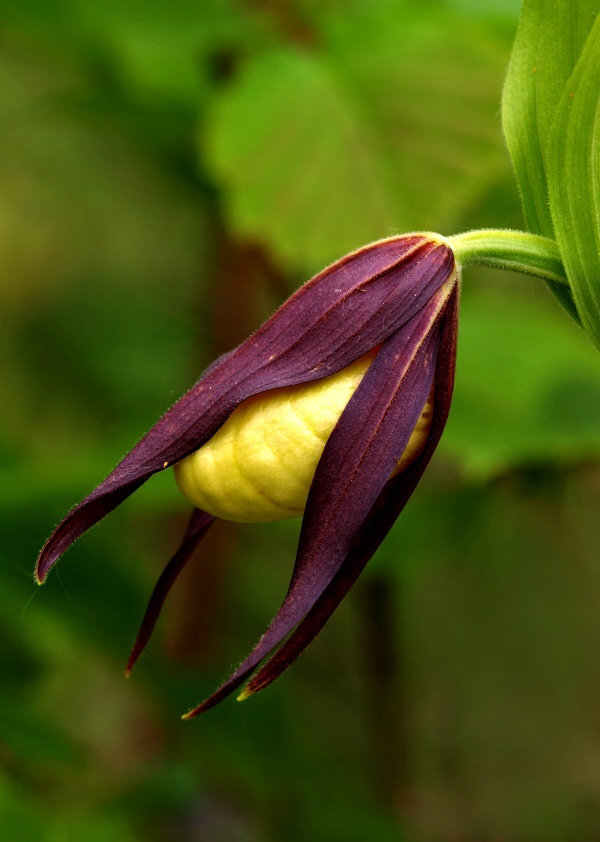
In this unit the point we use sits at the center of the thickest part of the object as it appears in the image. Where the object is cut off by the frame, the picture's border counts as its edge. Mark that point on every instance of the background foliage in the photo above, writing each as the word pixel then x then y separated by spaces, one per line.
pixel 169 172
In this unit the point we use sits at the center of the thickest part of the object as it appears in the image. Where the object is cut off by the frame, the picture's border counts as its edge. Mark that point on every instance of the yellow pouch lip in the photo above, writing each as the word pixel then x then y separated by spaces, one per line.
pixel 258 467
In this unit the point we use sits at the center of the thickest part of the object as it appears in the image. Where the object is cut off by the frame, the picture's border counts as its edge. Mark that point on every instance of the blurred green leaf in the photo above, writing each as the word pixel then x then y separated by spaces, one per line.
pixel 527 387
pixel 156 51
pixel 93 827
pixel 78 196
pixel 390 126
pixel 19 819
pixel 163 50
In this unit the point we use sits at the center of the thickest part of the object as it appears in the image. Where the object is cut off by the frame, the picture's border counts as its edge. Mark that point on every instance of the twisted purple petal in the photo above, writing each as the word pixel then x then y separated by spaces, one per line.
pixel 384 514
pixel 195 532
pixel 350 479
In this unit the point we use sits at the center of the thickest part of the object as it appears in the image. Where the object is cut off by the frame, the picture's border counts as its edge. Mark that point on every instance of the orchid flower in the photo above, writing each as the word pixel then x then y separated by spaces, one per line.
pixel 368 346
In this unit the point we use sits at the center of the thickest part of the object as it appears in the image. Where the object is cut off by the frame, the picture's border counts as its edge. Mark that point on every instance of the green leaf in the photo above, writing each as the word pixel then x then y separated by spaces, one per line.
pixel 301 169
pixel 549 41
pixel 388 126
pixel 573 164
pixel 547 46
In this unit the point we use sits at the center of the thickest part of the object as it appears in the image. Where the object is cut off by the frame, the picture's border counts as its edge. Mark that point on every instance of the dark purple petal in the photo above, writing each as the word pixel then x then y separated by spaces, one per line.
pixel 339 315
pixel 384 514
pixel 195 532
pixel 360 455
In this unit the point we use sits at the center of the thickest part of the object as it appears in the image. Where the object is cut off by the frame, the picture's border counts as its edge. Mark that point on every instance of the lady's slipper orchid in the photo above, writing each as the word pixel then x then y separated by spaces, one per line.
pixel 378 326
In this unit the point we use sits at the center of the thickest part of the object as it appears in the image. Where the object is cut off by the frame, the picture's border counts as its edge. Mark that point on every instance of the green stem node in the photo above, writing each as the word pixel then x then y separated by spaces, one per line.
pixel 517 251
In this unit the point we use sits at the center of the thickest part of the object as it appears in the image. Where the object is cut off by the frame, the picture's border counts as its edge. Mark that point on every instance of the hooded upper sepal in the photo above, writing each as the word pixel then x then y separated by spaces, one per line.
pixel 351 504
pixel 345 311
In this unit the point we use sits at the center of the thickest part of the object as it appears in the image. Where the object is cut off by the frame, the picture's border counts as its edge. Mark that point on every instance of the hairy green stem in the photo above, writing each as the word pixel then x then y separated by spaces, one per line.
pixel 517 251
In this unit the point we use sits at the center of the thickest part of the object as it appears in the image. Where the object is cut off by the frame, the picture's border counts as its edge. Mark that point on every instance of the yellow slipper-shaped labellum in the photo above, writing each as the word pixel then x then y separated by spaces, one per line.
pixel 259 465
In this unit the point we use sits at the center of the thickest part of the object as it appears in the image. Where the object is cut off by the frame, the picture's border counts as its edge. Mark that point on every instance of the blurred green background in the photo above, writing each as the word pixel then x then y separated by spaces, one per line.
pixel 169 172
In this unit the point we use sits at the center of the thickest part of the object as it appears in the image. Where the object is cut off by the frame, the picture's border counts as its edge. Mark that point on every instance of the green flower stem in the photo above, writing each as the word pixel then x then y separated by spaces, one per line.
pixel 517 251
